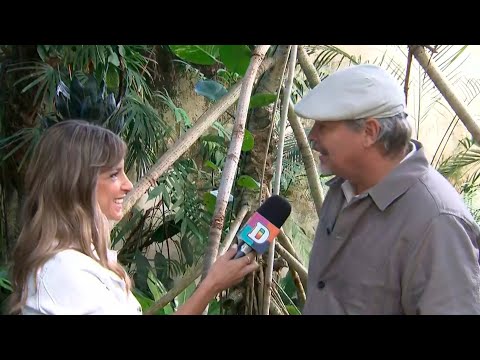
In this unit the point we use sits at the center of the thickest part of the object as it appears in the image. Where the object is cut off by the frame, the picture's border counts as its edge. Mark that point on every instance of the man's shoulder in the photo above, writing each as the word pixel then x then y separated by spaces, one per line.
pixel 436 195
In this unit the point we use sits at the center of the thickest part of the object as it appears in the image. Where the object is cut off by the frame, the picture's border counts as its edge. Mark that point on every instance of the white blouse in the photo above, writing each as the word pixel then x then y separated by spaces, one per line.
pixel 75 284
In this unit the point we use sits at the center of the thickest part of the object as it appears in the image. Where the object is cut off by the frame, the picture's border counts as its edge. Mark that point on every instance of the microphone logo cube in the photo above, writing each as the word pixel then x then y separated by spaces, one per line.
pixel 258 233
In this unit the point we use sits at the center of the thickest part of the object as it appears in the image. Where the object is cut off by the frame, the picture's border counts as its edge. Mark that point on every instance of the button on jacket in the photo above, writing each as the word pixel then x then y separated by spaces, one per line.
pixel 73 283
pixel 408 245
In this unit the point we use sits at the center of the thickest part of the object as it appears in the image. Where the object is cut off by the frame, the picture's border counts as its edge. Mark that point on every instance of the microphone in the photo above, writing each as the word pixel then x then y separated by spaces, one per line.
pixel 263 226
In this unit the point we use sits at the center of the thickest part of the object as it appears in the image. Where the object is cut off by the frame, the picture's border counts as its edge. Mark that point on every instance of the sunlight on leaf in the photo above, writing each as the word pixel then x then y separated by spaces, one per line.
pixel 235 57
pixel 263 99
pixel 248 182
pixel 248 141
pixel 197 54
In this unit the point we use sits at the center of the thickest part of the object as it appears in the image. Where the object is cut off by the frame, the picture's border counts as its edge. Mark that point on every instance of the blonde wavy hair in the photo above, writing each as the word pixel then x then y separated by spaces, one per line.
pixel 60 209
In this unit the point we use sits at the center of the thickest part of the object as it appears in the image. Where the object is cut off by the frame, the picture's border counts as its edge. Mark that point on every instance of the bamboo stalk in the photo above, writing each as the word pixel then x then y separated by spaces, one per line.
pixel 407 73
pixel 272 122
pixel 287 244
pixel 278 172
pixel 308 68
pixel 231 164
pixel 293 263
pixel 447 90
pixel 307 156
pixel 298 285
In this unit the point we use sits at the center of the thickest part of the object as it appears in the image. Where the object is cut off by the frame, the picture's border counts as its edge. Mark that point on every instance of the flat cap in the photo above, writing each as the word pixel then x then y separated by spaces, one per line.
pixel 356 92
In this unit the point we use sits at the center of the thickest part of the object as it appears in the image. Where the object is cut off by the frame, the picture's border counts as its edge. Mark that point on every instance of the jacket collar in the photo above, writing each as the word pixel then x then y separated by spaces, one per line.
pixel 398 181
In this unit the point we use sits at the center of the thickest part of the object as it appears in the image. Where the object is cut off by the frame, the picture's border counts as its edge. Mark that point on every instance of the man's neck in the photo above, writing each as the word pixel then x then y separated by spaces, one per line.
pixel 376 167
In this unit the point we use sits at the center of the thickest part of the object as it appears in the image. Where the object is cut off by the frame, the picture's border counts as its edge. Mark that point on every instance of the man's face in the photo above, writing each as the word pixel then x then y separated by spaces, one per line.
pixel 339 146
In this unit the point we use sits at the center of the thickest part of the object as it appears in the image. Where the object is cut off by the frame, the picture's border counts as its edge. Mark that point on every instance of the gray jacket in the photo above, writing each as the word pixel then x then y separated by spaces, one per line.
pixel 407 246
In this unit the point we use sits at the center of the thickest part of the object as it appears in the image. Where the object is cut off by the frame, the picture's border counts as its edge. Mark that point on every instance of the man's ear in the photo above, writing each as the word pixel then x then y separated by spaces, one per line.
pixel 371 131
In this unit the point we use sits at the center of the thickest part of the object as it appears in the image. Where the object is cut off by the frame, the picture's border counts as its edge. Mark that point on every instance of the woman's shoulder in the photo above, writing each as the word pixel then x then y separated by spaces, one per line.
pixel 69 261
pixel 72 282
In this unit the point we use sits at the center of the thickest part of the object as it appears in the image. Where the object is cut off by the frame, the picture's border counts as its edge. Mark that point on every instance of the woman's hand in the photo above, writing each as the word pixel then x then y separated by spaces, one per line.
pixel 224 273
pixel 227 272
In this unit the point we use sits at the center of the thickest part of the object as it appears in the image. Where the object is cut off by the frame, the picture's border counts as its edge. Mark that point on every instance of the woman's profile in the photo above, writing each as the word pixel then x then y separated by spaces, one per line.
pixel 75 185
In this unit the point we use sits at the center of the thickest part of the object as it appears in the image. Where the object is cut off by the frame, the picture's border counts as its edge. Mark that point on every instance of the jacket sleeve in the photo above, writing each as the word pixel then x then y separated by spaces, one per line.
pixel 442 273
pixel 68 290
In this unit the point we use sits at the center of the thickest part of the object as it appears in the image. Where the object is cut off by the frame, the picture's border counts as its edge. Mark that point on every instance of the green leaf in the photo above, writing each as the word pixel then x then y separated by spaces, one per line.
pixel 155 192
pixel 42 51
pixel 165 231
pixel 211 165
pixel 262 99
pixel 4 281
pixel 235 57
pixel 161 266
pixel 214 308
pixel 187 248
pixel 185 294
pixel 197 54
pixel 113 59
pixel 292 310
pixel 209 200
pixel 154 286
pixel 248 182
pixel 112 78
pixel 121 50
pixel 143 268
pixel 210 89
pixel 144 301
pixel 248 141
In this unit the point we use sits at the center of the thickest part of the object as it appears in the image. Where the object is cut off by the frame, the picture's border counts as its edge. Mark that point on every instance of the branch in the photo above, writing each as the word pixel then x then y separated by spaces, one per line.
pixel 278 172
pixel 307 157
pixel 272 121
pixel 446 89
pixel 407 74
pixel 230 167
pixel 432 49
pixel 187 140
pixel 293 263
pixel 298 284
pixel 287 244
pixel 308 67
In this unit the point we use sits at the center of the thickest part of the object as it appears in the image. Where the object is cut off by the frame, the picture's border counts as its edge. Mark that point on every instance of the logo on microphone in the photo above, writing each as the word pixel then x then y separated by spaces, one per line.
pixel 258 232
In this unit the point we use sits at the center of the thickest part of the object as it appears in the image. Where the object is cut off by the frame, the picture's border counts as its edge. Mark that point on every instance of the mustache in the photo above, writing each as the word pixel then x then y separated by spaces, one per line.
pixel 318 147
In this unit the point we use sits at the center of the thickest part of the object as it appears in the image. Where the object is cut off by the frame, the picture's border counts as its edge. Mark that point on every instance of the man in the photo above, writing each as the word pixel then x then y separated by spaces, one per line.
pixel 394 237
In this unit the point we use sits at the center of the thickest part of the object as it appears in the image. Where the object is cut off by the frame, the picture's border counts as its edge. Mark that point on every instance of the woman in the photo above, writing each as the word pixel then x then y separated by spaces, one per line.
pixel 75 185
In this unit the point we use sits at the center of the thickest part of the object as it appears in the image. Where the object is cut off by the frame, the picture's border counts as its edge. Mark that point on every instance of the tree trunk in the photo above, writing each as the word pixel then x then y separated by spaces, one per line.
pixel 20 112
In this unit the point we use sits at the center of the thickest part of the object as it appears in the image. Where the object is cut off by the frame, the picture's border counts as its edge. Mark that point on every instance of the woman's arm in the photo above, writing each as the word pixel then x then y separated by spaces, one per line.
pixel 224 273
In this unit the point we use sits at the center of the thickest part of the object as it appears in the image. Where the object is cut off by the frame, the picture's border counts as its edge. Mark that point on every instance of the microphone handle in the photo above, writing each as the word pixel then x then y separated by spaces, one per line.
pixel 243 250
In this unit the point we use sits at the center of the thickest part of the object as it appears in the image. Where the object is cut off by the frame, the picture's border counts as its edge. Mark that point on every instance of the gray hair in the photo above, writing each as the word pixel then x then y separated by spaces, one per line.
pixel 394 135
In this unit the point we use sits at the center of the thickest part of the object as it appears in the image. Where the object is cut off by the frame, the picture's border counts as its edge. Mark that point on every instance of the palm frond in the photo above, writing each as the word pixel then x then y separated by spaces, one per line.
pixel 144 130
pixel 466 158
pixel 41 77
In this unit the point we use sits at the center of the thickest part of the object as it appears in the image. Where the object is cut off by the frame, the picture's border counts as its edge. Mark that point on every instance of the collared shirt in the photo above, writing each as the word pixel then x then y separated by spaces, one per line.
pixel 409 246
pixel 75 284
pixel 347 187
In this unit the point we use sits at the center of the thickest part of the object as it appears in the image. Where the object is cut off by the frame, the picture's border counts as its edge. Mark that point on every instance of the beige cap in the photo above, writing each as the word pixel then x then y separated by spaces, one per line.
pixel 357 92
